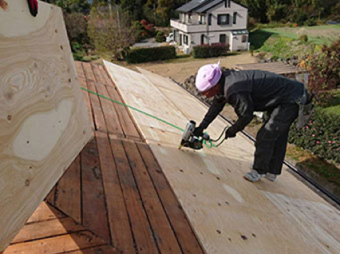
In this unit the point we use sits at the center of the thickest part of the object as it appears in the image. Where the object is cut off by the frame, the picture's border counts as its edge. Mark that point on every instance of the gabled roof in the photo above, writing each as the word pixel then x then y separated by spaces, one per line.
pixel 190 6
pixel 201 6
pixel 209 5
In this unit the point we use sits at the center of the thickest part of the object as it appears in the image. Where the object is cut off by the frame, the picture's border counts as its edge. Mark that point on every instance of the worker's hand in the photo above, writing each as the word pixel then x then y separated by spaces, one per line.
pixel 198 132
pixel 229 133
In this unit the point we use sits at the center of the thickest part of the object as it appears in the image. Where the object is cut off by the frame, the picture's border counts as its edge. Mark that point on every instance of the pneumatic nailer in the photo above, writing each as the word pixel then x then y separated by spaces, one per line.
pixel 190 140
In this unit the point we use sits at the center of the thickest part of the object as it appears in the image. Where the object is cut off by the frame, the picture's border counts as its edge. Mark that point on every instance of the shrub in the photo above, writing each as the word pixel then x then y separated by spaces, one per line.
pixel 142 55
pixel 160 37
pixel 214 50
pixel 324 68
pixel 303 38
pixel 321 136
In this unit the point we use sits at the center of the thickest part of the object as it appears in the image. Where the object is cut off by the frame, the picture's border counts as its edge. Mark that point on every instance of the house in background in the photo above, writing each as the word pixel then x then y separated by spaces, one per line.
pixel 211 21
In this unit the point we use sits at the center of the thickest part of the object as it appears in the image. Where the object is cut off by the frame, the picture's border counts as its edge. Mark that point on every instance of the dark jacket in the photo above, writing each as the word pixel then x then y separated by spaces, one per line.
pixel 249 91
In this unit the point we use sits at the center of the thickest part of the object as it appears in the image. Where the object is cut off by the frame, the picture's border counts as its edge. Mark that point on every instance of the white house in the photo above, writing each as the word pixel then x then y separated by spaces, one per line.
pixel 211 21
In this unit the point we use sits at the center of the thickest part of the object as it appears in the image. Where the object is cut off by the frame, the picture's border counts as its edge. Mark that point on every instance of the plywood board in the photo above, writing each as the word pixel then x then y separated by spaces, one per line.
pixel 43 119
pixel 228 214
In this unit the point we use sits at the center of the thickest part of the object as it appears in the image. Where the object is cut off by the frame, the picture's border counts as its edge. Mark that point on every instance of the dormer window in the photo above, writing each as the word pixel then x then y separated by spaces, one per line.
pixel 223 19
pixel 227 3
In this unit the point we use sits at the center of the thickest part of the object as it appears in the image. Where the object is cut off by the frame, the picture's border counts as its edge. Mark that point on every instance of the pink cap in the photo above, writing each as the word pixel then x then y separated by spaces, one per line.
pixel 208 76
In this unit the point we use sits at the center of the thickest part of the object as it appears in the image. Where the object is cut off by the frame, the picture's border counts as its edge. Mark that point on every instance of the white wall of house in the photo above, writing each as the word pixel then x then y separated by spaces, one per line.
pixel 237 20
pixel 237 10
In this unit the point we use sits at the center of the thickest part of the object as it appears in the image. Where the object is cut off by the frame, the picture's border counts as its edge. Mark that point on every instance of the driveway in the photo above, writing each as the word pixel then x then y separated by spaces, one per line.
pixel 181 70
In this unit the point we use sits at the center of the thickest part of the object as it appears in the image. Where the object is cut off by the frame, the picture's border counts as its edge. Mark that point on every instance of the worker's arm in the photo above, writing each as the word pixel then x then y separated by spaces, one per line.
pixel 244 108
pixel 214 109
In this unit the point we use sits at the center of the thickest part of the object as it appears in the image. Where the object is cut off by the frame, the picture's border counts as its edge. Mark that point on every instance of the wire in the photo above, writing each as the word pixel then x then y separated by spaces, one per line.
pixel 208 144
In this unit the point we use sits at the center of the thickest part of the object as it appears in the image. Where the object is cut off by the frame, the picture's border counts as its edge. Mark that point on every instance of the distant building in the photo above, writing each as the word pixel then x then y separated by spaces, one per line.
pixel 211 21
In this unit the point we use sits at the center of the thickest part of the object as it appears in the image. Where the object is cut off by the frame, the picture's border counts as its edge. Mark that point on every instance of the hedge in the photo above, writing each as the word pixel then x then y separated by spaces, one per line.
pixel 214 50
pixel 142 55
pixel 321 136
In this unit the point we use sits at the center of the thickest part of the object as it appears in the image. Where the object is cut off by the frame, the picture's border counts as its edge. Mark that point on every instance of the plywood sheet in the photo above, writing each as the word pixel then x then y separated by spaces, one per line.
pixel 43 119
pixel 228 214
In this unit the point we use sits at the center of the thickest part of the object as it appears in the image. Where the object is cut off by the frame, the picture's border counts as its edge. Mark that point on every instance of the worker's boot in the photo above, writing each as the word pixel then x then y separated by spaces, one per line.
pixel 271 177
pixel 253 176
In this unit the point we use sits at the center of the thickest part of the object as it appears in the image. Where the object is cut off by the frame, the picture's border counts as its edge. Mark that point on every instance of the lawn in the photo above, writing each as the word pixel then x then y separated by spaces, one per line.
pixel 284 42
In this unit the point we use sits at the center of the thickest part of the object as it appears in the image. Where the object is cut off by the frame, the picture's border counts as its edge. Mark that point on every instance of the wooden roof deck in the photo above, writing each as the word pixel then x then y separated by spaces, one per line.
pixel 114 197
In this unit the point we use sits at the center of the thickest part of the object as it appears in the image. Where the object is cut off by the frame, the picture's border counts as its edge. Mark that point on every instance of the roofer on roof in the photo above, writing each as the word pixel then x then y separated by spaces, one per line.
pixel 254 90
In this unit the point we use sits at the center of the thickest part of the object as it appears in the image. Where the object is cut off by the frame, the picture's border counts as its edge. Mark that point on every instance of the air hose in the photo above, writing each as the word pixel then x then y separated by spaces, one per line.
pixel 208 144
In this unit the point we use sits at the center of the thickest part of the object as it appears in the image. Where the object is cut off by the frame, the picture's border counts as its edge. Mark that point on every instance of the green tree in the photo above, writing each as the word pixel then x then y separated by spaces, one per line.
pixel 110 31
pixel 71 5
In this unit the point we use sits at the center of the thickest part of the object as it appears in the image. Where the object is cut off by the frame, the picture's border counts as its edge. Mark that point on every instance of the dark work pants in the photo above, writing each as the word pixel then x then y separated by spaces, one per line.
pixel 271 139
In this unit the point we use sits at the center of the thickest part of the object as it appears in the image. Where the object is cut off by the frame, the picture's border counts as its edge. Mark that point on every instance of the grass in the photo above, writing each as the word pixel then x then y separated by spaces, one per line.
pixel 307 160
pixel 284 41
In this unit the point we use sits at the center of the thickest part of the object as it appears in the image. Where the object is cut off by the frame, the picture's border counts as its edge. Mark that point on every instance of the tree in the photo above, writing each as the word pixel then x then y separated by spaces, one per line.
pixel 109 32
pixel 71 5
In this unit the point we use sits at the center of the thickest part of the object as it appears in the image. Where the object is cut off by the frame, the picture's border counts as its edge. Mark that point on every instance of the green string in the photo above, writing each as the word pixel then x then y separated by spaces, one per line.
pixel 208 144
pixel 136 109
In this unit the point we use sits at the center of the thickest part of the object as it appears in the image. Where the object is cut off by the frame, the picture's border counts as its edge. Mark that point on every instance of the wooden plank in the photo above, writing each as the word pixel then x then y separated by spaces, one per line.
pixel 50 198
pixel 97 73
pixel 139 220
pixel 161 227
pixel 45 212
pixel 80 71
pixel 110 114
pixel 100 123
pixel 117 215
pixel 93 196
pixel 227 213
pixel 43 121
pixel 87 67
pixel 105 249
pixel 58 244
pixel 179 223
pixel 68 197
pixel 46 229
pixel 83 84
pixel 129 126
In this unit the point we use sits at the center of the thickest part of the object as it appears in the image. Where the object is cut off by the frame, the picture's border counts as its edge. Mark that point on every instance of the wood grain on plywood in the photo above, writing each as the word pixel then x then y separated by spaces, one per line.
pixel 228 214
pixel 43 121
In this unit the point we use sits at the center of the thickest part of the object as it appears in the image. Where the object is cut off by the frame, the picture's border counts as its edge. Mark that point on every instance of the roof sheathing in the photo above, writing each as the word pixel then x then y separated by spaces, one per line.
pixel 218 202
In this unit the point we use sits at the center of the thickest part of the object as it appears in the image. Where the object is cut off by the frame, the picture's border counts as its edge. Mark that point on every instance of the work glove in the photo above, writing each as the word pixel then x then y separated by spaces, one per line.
pixel 229 133
pixel 33 5
pixel 198 132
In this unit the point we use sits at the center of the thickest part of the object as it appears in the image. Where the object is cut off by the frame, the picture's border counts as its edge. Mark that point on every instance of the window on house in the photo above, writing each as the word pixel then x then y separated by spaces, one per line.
pixel 223 19
pixel 227 3
pixel 234 17
pixel 189 18
pixel 244 38
pixel 209 19
pixel 202 39
pixel 185 39
pixel 222 38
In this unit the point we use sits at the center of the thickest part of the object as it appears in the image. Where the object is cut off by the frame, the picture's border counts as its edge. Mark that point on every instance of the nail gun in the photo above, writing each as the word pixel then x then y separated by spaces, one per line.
pixel 190 140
